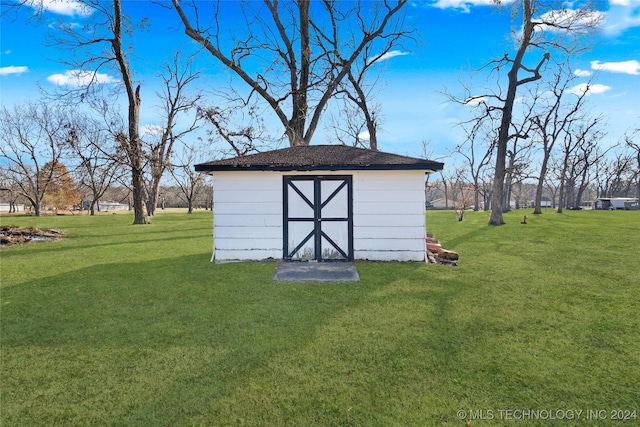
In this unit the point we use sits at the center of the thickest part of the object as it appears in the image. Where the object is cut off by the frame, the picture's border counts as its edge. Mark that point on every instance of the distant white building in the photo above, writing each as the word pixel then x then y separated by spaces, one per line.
pixel 105 206
pixel 442 203
pixel 616 203
pixel 546 202
pixel 319 203
pixel 6 207
pixel 113 206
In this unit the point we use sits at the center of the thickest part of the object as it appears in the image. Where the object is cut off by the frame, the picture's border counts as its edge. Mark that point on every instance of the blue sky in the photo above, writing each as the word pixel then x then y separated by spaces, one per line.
pixel 455 37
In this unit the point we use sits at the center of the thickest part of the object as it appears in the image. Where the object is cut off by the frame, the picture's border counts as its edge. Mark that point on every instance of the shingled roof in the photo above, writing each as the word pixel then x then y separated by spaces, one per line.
pixel 320 158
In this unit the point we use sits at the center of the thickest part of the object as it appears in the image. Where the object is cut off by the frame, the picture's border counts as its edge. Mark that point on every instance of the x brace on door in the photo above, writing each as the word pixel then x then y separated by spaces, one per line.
pixel 318 218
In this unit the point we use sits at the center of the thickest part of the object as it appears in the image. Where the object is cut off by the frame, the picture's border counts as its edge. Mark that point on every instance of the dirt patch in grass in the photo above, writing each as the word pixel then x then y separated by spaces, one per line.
pixel 10 235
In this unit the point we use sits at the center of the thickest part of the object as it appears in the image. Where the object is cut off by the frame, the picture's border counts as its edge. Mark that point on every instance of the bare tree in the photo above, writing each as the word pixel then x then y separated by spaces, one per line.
pixel 99 162
pixel 615 175
pixel 32 136
pixel 552 181
pixel 9 190
pixel 358 91
pixel 103 43
pixel 581 170
pixel 461 188
pixel 176 102
pixel 585 133
pixel 477 151
pixel 301 51
pixel 481 140
pixel 456 187
pixel 632 141
pixel 241 138
pixel 504 135
pixel 348 125
pixel 370 113
pixel 190 183
pixel 553 119
pixel 518 152
pixel 544 29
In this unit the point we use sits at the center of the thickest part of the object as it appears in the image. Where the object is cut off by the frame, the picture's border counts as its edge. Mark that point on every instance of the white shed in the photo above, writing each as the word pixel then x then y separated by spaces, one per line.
pixel 319 202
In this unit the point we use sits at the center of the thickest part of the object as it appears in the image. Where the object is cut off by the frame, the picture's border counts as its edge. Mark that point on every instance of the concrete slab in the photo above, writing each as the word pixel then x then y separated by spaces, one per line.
pixel 316 272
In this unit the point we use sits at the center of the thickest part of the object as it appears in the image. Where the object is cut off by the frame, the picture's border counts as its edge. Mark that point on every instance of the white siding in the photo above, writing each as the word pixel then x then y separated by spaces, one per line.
pixel 388 209
pixel 247 215
pixel 222 255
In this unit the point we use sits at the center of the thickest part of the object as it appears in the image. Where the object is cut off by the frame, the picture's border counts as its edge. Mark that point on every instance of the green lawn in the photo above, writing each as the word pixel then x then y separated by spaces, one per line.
pixel 121 325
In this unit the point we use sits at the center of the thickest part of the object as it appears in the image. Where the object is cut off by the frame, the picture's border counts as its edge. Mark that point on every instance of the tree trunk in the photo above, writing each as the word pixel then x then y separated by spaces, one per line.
pixel 537 209
pixel 139 207
pixel 295 132
pixel 582 186
pixel 152 200
pixel 133 145
pixel 638 178
pixel 446 195
pixel 579 194
pixel 507 111
pixel 543 173
pixel 562 185
pixel 476 197
pixel 360 99
pixel 506 198
pixel 498 187
pixel 373 137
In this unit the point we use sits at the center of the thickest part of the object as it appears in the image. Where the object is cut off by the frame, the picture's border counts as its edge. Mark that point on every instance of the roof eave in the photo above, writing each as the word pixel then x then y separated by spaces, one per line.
pixel 429 168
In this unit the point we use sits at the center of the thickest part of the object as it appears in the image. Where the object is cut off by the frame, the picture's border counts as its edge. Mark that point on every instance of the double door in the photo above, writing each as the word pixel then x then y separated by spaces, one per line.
pixel 318 218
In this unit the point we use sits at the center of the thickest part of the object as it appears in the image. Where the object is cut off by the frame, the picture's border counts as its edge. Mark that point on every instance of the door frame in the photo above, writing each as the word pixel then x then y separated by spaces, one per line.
pixel 317 204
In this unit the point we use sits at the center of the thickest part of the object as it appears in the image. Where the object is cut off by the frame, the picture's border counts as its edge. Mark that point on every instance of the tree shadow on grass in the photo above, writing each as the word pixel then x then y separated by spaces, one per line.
pixel 187 342
pixel 43 248
pixel 125 338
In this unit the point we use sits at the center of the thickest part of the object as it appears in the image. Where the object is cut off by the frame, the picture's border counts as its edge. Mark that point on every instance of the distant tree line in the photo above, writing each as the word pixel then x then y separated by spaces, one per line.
pixel 292 60
pixel 533 126
pixel 65 159
pixel 574 175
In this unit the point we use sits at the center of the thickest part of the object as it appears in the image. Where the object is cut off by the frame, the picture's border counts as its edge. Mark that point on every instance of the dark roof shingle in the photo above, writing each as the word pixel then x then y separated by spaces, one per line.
pixel 320 157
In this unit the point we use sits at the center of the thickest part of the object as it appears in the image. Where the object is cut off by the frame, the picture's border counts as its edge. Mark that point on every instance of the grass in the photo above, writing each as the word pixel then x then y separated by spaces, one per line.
pixel 132 325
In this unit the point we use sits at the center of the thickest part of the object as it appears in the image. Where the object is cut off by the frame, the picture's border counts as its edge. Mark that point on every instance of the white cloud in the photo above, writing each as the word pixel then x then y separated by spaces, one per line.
pixel 7 52
pixel 5 71
pixel 582 73
pixel 152 130
pixel 475 100
pixel 622 15
pixel 389 55
pixel 79 78
pixel 625 67
pixel 591 89
pixel 364 136
pixel 61 7
pixel 463 5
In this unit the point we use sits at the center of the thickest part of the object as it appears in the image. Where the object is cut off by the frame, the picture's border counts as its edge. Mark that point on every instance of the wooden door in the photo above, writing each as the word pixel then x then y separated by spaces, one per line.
pixel 318 218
